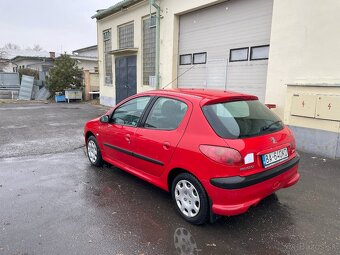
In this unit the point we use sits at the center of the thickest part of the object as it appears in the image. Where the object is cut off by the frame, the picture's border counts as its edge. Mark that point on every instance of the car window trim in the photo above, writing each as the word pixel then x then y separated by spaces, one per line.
pixel 150 108
pixel 147 111
pixel 142 115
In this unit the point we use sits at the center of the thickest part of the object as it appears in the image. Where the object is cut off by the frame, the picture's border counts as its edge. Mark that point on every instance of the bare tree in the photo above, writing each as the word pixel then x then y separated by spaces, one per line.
pixel 37 47
pixel 11 46
pixel 3 59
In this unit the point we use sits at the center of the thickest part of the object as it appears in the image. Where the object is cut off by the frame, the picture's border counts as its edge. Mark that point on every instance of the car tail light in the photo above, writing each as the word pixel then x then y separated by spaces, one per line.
pixel 222 155
pixel 293 145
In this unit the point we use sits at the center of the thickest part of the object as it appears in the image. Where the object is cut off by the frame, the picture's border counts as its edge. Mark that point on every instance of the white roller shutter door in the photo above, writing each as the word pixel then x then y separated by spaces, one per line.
pixel 218 29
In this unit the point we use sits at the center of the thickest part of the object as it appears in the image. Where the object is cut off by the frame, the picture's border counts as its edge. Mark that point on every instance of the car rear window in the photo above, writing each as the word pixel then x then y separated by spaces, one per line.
pixel 241 119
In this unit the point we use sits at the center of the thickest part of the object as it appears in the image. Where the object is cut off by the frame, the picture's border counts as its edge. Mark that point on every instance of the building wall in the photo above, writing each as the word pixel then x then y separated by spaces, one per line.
pixel 93 52
pixel 168 45
pixel 94 81
pixel 33 64
pixel 305 55
pixel 6 67
pixel 134 13
pixel 87 64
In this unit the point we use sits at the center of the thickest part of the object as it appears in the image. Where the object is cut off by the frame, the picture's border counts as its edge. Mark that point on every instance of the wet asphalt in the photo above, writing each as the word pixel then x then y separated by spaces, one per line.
pixel 52 201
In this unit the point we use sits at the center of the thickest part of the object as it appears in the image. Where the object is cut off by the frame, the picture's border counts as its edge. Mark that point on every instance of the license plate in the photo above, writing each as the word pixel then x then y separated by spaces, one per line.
pixel 274 157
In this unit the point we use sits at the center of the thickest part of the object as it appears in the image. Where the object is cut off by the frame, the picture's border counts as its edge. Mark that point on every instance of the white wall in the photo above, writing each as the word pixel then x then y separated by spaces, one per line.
pixel 304 48
pixel 168 44
pixel 87 64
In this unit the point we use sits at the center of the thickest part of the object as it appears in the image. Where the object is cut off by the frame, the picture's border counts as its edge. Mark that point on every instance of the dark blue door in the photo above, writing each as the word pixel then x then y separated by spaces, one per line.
pixel 126 82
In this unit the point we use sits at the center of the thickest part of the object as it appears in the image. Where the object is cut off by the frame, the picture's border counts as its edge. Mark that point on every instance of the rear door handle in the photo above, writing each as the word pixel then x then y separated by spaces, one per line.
pixel 127 138
pixel 166 145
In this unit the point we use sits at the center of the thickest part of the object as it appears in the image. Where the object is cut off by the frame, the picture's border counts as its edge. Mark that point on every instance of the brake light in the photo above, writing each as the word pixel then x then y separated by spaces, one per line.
pixel 222 155
pixel 293 145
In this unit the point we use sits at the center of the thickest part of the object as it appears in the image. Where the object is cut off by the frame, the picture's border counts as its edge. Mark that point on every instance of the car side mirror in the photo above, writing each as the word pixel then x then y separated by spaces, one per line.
pixel 104 119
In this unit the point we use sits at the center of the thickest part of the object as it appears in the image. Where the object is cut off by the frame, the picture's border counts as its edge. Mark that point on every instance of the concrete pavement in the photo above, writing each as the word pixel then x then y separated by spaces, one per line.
pixel 52 201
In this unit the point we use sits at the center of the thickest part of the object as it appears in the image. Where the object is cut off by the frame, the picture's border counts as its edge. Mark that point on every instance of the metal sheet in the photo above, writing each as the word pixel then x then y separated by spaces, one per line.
pixel 43 94
pixel 328 107
pixel 26 87
pixel 303 105
pixel 9 80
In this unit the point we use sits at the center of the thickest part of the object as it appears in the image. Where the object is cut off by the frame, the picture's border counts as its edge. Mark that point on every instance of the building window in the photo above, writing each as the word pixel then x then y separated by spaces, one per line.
pixel 185 59
pixel 240 54
pixel 107 56
pixel 125 35
pixel 149 49
pixel 259 52
pixel 200 58
pixel 96 70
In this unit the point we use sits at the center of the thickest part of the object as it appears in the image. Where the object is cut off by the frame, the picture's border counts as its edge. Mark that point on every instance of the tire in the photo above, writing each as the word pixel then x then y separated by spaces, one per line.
pixel 190 198
pixel 93 152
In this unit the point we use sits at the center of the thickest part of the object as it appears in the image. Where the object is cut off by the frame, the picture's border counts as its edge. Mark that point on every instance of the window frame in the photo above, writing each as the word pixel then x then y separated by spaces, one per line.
pixel 259 46
pixel 107 54
pixel 151 106
pixel 119 37
pixel 184 55
pixel 145 50
pixel 199 53
pixel 240 60
pixel 142 116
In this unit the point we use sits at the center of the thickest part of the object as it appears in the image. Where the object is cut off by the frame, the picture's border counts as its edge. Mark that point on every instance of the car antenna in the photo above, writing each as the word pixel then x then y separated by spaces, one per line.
pixel 178 77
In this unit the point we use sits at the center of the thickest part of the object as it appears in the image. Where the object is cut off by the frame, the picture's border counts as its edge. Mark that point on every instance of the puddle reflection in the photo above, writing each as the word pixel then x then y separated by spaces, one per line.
pixel 184 242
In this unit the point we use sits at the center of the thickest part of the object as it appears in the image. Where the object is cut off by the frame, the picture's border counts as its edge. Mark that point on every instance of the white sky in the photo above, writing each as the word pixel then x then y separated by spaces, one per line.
pixel 56 25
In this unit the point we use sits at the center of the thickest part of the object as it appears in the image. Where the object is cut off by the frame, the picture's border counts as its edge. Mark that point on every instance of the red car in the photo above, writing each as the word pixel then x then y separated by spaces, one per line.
pixel 217 152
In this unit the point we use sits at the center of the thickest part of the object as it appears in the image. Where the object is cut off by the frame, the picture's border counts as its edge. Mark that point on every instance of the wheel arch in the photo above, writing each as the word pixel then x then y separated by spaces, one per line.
pixel 173 173
pixel 88 134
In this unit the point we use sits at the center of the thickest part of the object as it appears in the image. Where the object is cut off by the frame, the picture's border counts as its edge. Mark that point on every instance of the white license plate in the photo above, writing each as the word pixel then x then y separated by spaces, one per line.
pixel 274 157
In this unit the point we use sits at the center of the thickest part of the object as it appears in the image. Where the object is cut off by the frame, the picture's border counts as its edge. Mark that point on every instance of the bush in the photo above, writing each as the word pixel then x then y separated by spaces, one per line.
pixel 65 74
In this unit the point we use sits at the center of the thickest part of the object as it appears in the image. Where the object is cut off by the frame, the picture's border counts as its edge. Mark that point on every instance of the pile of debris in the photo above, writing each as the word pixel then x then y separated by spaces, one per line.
pixel 10 87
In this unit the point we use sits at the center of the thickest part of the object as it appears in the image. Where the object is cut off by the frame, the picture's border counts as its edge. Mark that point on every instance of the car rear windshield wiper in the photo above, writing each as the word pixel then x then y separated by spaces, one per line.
pixel 270 125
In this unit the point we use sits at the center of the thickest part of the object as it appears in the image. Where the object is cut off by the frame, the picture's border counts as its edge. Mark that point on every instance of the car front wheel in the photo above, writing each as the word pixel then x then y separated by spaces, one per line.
pixel 190 198
pixel 93 152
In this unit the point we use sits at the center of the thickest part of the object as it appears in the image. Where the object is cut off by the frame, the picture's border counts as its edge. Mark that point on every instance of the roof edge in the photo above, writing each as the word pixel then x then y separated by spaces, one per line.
pixel 93 47
pixel 115 8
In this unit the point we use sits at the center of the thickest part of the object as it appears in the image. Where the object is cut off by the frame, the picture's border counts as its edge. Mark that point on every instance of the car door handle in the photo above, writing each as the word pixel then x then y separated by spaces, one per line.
pixel 127 138
pixel 166 145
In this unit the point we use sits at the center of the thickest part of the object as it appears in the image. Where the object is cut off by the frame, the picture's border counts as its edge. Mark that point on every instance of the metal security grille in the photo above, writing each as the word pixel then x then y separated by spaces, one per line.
pixel 149 49
pixel 125 35
pixel 107 57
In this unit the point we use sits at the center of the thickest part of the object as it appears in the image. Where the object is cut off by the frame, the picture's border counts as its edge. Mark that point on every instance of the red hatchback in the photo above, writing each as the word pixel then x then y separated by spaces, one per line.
pixel 217 152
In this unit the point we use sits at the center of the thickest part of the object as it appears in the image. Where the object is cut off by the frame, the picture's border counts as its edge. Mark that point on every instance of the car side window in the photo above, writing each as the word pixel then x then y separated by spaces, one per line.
pixel 129 113
pixel 166 114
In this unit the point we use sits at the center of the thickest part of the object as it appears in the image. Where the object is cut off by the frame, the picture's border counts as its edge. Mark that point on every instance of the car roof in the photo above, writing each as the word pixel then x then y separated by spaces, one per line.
pixel 205 96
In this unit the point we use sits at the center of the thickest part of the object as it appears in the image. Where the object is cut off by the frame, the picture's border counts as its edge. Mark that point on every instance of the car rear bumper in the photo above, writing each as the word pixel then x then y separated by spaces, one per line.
pixel 234 195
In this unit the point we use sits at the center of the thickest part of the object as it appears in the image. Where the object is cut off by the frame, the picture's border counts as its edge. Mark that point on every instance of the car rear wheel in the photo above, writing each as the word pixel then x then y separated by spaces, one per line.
pixel 93 152
pixel 190 198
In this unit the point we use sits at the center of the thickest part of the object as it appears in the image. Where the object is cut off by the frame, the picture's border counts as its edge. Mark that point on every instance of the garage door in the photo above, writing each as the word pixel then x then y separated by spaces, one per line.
pixel 226 46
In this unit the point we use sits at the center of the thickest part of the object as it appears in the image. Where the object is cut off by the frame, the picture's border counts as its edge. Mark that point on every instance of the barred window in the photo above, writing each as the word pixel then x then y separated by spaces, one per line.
pixel 125 35
pixel 149 49
pixel 107 56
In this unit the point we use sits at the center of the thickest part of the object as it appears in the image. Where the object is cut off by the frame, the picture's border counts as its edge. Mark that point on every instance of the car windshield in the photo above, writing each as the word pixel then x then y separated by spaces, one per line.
pixel 241 119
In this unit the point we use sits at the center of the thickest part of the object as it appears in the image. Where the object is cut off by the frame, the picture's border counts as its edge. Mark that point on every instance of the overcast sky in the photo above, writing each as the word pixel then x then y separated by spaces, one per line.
pixel 56 25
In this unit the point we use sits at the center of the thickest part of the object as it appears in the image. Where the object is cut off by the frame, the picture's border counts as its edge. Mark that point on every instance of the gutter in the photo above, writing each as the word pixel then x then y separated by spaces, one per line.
pixel 115 8
pixel 158 19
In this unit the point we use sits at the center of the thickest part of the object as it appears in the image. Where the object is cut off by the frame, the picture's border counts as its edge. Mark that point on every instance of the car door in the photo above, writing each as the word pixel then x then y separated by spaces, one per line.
pixel 156 140
pixel 118 135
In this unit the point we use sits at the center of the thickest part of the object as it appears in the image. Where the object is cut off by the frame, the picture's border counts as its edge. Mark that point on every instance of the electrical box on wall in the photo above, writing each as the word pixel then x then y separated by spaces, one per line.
pixel 303 105
pixel 328 107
